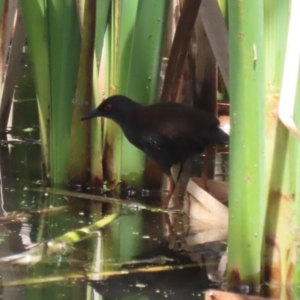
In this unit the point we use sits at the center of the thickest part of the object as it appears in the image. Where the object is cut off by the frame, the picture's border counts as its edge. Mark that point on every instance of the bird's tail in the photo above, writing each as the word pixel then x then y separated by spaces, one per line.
pixel 213 136
pixel 221 137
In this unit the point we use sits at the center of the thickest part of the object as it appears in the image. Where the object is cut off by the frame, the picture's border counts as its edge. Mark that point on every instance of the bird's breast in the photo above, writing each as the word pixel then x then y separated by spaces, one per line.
pixel 133 135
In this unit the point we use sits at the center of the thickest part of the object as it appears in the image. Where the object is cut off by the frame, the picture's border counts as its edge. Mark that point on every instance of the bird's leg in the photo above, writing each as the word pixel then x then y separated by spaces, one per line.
pixel 176 171
pixel 171 187
pixel 207 152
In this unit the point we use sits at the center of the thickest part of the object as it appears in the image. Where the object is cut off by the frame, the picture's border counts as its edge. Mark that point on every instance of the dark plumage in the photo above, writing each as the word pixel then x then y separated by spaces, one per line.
pixel 167 132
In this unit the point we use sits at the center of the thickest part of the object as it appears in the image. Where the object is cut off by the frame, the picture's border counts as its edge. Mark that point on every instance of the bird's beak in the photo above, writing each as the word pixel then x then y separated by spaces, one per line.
pixel 92 114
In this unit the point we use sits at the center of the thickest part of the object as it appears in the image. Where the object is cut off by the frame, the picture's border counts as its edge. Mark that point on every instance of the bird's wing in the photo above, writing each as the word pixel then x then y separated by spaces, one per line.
pixel 169 122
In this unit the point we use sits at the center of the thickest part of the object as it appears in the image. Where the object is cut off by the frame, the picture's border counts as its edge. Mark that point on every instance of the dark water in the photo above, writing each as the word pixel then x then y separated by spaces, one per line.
pixel 136 255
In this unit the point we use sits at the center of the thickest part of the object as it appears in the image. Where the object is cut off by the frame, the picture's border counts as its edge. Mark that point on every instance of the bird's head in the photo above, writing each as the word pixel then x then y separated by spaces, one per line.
pixel 117 108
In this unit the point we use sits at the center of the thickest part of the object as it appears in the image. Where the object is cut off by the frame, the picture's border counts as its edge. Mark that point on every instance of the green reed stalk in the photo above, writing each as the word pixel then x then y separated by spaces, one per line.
pixel 282 157
pixel 143 73
pixel 247 196
pixel 79 160
pixel 36 25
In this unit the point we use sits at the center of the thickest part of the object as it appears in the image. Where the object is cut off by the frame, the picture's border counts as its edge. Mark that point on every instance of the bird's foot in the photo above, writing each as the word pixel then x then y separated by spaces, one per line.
pixel 171 206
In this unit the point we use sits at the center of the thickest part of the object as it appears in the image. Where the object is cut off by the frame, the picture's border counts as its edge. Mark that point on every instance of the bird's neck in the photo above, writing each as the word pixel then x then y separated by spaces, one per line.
pixel 126 122
pixel 125 118
pixel 129 125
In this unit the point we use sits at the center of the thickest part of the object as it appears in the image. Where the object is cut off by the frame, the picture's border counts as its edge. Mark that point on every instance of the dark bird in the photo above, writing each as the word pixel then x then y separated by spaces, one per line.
pixel 167 132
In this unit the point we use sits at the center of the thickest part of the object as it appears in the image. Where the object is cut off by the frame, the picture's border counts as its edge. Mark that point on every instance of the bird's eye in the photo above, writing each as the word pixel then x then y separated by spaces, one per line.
pixel 107 107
